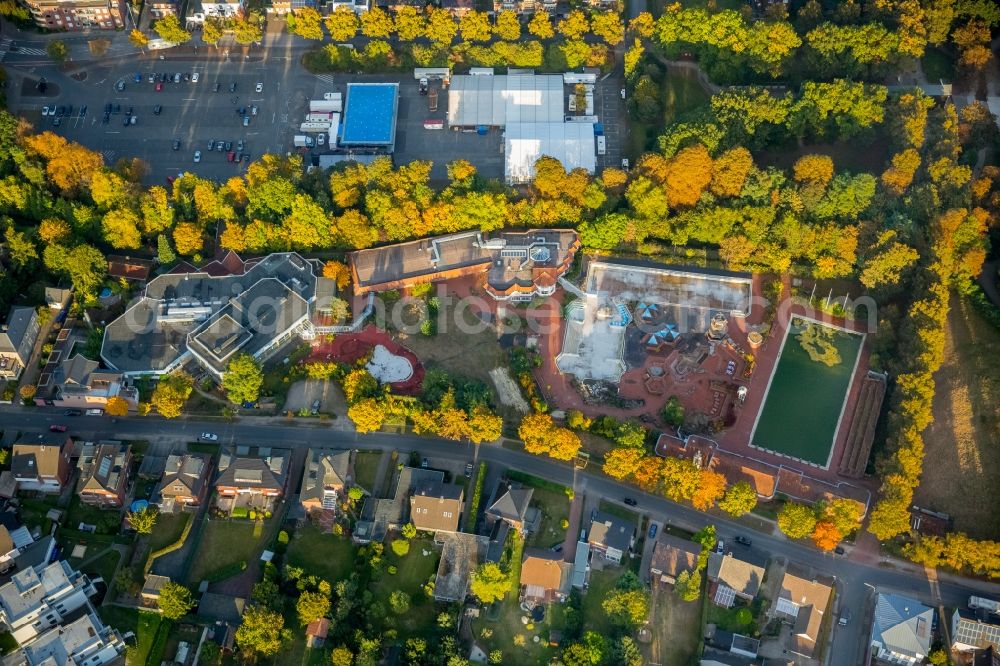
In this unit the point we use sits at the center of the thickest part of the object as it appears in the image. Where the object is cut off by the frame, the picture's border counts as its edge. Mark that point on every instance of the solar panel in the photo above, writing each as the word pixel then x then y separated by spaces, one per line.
pixel 105 466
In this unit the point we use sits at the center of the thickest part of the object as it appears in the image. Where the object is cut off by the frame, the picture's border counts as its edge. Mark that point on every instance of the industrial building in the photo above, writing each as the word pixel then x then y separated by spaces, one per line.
pixel 530 108
pixel 369 118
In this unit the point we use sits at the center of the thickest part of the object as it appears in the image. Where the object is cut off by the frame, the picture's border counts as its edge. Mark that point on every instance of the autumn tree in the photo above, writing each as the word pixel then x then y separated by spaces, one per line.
pixel 138 38
pixel 886 261
pixel 169 29
pixel 475 27
pixel 711 489
pixel 541 435
pixel 53 230
pixel 740 499
pixel 730 171
pixel 440 27
pixel 212 30
pixel 170 394
pixel 248 30
pixel 342 24
pixel 120 227
pixel 796 521
pixel 620 463
pixel 57 50
pixel 306 23
pixel 540 26
pixel 19 246
pixel 574 26
pixel 642 25
pixel 376 23
pixel 85 265
pixel 188 239
pixel 973 42
pixel 338 272
pixel 484 426
pixel 367 415
pixel 608 26
pixel 116 406
pixel 900 175
pixel 688 175
pixel 825 535
pixel 243 379
pixel 627 607
pixel 410 23
pixel 144 520
pixel 175 601
pixel 507 26
pixel 489 583
pixel 815 169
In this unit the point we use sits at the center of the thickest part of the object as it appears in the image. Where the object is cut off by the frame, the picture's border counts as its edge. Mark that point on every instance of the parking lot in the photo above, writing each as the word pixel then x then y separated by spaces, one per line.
pixel 195 115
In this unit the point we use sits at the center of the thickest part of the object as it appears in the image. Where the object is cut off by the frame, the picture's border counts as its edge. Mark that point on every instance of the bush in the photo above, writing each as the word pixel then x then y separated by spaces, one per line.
pixel 392 569
pixel 239 512
pixel 401 547
pixel 283 537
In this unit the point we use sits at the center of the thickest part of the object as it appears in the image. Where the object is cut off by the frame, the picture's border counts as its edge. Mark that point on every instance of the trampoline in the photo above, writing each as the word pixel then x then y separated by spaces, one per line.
pixel 139 505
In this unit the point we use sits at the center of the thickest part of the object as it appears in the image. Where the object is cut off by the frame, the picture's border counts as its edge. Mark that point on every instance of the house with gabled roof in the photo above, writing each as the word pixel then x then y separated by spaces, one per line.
pixel 731 577
pixel 104 472
pixel 185 481
pixel 671 556
pixel 803 604
pixel 41 462
pixel 325 479
pixel 975 629
pixel 611 536
pixel 901 629
pixel 18 334
pixel 436 506
pixel 544 577
pixel 251 482
pixel 511 507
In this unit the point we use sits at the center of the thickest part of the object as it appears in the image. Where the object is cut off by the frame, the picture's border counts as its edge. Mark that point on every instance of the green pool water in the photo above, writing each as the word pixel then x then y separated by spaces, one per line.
pixel 800 413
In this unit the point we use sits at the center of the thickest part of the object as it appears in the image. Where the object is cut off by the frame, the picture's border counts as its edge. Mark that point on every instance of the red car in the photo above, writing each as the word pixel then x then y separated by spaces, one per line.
pixel 231 156
pixel 159 86
pixel 57 428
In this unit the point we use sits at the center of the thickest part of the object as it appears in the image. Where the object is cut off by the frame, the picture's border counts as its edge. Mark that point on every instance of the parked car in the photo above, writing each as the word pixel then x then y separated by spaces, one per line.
pixel 216 87
pixel 239 146
pixel 743 541
pixel 72 412
pixel 316 403
pixel 177 144
pixel 630 501
pixel 625 164
pixel 845 617
pixel 468 470
pixel 230 156
pixel 125 121
pixel 321 140
pixel 194 78
pixel 652 530
pixel 211 144
pixel 45 110
pixel 424 463
pixel 623 93
pixel 208 437
pixel 246 121
pixel 56 122
pixel 232 87
pixel 55 427
pixel 242 111
pixel 423 86
pixel 220 146
pixel 253 110
pixel 720 546
pixel 152 78
pixel 839 550
pixel 157 110
pixel 159 87
pixel 197 156
pixel 229 145
pixel 120 86
pixel 133 119
pixel 177 77
pixel 138 77
pixel 259 87
pixel 187 77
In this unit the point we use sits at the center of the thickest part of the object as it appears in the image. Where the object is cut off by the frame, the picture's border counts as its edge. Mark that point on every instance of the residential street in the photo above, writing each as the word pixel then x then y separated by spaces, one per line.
pixel 855 579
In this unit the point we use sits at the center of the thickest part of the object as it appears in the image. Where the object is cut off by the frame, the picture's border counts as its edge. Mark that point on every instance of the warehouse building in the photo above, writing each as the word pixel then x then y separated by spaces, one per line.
pixel 530 108
pixel 369 119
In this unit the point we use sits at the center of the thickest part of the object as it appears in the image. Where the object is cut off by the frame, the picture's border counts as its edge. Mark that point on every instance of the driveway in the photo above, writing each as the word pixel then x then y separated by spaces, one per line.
pixel 301 395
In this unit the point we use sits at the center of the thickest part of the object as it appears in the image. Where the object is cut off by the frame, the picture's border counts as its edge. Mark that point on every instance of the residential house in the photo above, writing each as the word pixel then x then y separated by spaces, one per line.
pixel 436 506
pixel 611 536
pixel 901 630
pixel 974 629
pixel 325 480
pixel 185 481
pixel 14 538
pixel 104 473
pixel 77 382
pixel 732 577
pixel 161 8
pixel 511 507
pixel 41 463
pixel 988 657
pixel 380 514
pixel 544 577
pixel 223 8
pixel 39 598
pixel 129 268
pixel 803 604
pixel 458 8
pixel 57 298
pixel 671 556
pixel 316 632
pixel 151 588
pixel 461 553
pixel 251 483
pixel 18 335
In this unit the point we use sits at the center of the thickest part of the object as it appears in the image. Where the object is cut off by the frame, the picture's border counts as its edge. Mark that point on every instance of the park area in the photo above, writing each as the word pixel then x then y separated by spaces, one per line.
pixel 806 396
pixel 963 442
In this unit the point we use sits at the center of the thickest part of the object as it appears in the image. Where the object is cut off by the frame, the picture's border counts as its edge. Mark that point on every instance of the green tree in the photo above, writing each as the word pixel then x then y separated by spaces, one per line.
pixel 248 30
pixel 489 583
pixel 164 253
pixel 399 602
pixel 211 31
pixel 144 520
pixel 627 608
pixel 175 601
pixel 740 499
pixel 85 265
pixel 267 594
pixel 688 586
pixel 243 379
pixel 20 248
pixel 169 28
pixel 171 393
pixel 341 656
pixel 312 606
pixel 57 50
pixel 796 521
pixel 260 631
pixel 342 24
pixel 408 531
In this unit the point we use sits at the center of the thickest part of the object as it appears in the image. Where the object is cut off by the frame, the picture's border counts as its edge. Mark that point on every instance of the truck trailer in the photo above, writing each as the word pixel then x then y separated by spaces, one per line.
pixel 327 105
pixel 302 141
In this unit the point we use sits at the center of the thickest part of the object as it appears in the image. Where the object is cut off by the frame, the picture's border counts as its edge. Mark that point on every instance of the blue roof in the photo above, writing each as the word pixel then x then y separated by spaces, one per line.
pixel 370 114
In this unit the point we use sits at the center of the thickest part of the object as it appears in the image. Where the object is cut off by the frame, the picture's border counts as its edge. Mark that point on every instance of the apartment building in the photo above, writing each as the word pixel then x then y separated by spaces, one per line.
pixel 17 339
pixel 73 15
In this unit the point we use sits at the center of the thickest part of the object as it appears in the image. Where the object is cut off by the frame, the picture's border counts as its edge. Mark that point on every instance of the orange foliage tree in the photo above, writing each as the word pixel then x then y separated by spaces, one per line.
pixel 338 272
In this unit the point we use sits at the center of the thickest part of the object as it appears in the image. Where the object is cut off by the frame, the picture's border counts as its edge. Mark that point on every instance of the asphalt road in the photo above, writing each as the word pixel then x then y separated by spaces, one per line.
pixel 855 580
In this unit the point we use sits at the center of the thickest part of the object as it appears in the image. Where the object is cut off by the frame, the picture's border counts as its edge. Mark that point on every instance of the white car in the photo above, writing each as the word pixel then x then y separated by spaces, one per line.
pixel 260 87
pixel 623 93
pixel 197 158
pixel 624 164
pixel 209 437
pixel 253 110
pixel 45 111
pixel 194 77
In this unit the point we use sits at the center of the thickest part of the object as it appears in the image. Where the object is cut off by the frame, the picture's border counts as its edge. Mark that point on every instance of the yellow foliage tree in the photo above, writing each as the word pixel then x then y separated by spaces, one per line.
pixel 338 272
pixel 116 406
pixel 730 171
pixel 367 415
pixel 120 227
pixel 188 239
pixel 688 175
pixel 622 462
pixel 53 230
pixel 541 435
pixel 710 490
pixel 815 169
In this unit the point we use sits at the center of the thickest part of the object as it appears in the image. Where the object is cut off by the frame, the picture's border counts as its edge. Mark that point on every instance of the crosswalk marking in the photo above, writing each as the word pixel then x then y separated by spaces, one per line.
pixel 109 156
pixel 325 78
pixel 7 42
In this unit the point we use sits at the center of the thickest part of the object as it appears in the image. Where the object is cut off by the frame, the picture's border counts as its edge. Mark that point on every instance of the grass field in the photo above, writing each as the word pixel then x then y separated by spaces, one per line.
pixel 963 444
pixel 224 543
pixel 168 529
pixel 470 355
pixel 681 92
pixel 365 469
pixel 144 625
pixel 804 400
pixel 325 555
pixel 676 628
pixel 413 571
pixel 104 566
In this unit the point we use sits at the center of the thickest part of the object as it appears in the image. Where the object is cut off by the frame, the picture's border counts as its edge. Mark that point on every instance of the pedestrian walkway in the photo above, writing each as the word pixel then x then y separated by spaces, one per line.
pixel 573 531
pixel 6 45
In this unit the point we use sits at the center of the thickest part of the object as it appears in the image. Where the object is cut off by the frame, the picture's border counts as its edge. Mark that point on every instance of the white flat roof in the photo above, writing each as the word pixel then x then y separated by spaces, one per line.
pixel 501 100
pixel 570 143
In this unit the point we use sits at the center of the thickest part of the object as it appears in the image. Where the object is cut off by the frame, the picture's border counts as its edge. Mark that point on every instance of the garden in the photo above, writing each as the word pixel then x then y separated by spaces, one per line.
pixel 227 547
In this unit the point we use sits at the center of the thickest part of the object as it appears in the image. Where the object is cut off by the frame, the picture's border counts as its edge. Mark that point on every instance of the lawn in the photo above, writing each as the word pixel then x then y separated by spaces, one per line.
pixel 7 643
pixel 144 625
pixel 498 627
pixel 594 617
pixel 168 529
pixel 325 555
pixel 681 92
pixel 738 619
pixel 366 468
pixel 963 442
pixel 805 399
pixel 413 571
pixel 676 628
pixel 226 543
pixel 470 355
pixel 84 513
pixel 555 509
pixel 938 65
pixel 104 566
pixel 855 156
